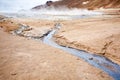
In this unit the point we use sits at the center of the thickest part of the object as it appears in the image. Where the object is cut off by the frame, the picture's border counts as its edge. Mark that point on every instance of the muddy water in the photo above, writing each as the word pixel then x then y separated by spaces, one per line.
pixel 95 60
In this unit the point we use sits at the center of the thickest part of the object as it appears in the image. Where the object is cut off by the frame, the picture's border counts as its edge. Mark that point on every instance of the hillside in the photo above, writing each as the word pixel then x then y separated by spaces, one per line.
pixel 90 4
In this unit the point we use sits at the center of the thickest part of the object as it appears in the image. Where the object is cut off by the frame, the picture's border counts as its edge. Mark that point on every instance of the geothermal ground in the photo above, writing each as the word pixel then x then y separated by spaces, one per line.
pixel 24 56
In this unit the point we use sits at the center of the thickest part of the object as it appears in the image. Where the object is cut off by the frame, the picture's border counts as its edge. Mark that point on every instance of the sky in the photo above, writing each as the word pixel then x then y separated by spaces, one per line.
pixel 12 5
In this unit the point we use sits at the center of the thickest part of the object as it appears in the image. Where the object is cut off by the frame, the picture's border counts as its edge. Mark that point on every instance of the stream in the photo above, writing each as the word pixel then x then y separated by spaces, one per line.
pixel 98 61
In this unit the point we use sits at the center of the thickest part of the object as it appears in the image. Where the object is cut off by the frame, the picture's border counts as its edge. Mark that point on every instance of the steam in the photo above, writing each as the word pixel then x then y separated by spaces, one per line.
pixel 16 5
pixel 66 11
pixel 54 14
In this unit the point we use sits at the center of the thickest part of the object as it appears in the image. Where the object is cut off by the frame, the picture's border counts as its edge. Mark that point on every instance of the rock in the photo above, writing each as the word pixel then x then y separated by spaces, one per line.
pixel 49 3
pixel 13 74
pixel 2 17
pixel 90 58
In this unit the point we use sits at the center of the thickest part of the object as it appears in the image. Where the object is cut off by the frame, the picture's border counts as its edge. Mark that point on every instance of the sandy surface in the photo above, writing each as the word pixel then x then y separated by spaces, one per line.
pixel 100 35
pixel 25 59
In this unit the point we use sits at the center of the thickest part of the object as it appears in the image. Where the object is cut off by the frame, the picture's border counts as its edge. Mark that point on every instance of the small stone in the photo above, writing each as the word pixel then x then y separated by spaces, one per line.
pixel 90 58
pixel 78 59
pixel 11 22
pixel 14 74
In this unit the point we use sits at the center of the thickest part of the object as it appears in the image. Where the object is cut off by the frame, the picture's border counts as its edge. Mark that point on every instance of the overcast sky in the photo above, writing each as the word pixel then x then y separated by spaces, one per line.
pixel 20 4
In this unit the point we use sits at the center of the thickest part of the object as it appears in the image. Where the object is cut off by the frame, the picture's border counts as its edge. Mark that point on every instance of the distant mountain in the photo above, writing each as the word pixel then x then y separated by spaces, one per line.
pixel 47 5
pixel 89 4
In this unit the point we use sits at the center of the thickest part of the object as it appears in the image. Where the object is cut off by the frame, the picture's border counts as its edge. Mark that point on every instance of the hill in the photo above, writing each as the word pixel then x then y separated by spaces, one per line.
pixel 89 4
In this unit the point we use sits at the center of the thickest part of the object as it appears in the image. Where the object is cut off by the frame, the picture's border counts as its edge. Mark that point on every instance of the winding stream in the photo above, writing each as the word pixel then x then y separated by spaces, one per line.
pixel 95 60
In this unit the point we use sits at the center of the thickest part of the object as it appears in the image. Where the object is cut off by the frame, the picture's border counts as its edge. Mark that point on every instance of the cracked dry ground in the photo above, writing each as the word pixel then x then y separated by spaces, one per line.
pixel 26 59
pixel 99 35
